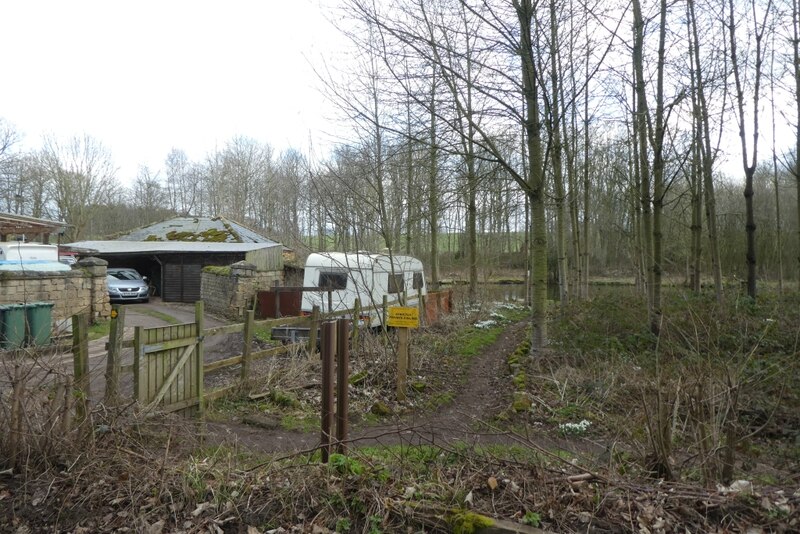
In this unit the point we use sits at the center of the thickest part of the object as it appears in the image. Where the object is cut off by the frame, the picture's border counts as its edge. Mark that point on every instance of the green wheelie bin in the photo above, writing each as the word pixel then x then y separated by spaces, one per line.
pixel 40 322
pixel 12 326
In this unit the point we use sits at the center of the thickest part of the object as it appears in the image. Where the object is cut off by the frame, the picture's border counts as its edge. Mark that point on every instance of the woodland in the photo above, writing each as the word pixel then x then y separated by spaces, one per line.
pixel 631 164
pixel 654 141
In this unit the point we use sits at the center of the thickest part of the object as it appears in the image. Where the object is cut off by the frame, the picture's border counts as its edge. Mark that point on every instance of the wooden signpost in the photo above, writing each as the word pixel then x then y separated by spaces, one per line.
pixel 402 318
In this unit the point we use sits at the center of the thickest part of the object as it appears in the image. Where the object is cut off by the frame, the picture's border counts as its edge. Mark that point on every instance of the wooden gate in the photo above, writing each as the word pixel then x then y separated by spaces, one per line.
pixel 168 365
pixel 181 281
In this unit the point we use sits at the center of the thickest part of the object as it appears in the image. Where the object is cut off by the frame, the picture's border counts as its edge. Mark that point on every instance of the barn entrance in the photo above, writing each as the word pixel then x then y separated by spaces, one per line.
pixel 181 281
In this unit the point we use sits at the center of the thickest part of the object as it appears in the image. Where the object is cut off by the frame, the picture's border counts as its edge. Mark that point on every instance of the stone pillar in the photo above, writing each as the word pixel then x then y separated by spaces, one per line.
pixel 244 278
pixel 95 268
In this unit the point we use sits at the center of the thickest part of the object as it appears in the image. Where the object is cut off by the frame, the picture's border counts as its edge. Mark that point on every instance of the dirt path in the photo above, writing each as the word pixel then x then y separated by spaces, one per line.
pixel 485 392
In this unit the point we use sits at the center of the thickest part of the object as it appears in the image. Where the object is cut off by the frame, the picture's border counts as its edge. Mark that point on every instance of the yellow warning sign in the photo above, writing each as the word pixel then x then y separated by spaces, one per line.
pixel 403 317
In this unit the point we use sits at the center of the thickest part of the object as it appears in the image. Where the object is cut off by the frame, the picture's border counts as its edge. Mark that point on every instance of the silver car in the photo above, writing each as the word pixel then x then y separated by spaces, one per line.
pixel 127 285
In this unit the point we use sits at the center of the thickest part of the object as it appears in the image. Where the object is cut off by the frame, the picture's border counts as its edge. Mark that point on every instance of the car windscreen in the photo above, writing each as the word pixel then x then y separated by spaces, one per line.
pixel 125 275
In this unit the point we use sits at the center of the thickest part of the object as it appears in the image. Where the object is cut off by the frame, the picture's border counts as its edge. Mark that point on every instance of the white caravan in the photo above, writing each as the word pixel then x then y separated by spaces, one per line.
pixel 18 256
pixel 344 277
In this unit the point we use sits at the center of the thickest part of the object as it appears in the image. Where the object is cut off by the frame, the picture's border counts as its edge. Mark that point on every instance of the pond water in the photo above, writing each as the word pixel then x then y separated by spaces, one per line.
pixel 516 292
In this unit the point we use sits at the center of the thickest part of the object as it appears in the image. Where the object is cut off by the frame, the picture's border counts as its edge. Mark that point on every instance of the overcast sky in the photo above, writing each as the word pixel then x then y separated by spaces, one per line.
pixel 146 76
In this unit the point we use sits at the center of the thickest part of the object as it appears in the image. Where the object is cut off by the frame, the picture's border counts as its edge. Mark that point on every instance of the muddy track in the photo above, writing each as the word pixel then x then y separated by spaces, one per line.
pixel 485 392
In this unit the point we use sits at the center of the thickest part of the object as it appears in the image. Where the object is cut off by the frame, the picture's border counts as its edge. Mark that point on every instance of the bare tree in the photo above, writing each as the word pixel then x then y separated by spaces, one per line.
pixel 81 177
pixel 12 186
pixel 740 76
pixel 181 187
pixel 796 72
pixel 147 192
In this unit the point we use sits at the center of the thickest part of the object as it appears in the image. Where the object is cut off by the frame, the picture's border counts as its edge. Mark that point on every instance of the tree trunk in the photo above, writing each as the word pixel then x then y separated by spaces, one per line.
pixel 796 52
pixel 536 185
pixel 433 190
pixel 707 162
pixel 749 167
pixel 658 177
pixel 558 177
pixel 640 129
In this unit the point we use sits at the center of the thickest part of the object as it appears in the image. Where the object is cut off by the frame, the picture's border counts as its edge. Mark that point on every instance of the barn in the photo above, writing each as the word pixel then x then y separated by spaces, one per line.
pixel 173 253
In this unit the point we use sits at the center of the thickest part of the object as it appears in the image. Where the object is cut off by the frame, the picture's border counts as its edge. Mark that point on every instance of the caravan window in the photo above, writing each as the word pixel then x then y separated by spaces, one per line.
pixel 332 280
pixel 396 283
pixel 418 281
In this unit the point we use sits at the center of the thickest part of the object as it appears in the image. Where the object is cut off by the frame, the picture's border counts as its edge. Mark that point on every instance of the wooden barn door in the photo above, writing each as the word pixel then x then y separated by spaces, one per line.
pixel 181 281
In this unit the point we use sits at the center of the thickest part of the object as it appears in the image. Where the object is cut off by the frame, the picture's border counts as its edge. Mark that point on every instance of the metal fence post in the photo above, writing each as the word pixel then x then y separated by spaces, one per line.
pixel 342 382
pixel 326 418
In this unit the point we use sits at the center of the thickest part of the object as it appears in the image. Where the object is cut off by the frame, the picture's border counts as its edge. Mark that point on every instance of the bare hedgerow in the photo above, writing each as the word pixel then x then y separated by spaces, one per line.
pixel 36 410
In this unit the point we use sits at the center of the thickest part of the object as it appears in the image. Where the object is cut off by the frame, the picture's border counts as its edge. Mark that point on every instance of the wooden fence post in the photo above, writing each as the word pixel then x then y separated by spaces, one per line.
pixel 356 323
pixel 313 330
pixel 15 432
pixel 421 306
pixel 139 387
pixel 402 362
pixel 115 334
pixel 248 342
pixel 342 382
pixel 80 355
pixel 64 393
pixel 199 319
pixel 326 419
pixel 384 312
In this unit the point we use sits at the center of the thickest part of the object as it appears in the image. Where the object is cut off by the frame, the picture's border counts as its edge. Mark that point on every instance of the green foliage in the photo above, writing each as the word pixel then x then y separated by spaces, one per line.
pixel 262 334
pixel 303 423
pixel 99 328
pixel 343 525
pixel 283 399
pixel 375 522
pixel 440 399
pixel 219 270
pixel 473 340
pixel 358 378
pixel 418 385
pixel 417 459
pixel 381 409
pixel 344 465
pixel 467 522
pixel 519 380
pixel 614 373
pixel 212 235
pixel 532 519
pixel 608 324
pixel 522 402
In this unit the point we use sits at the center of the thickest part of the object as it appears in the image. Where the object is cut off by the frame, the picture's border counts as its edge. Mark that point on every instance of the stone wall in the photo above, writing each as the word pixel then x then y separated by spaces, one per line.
pixel 231 292
pixel 71 292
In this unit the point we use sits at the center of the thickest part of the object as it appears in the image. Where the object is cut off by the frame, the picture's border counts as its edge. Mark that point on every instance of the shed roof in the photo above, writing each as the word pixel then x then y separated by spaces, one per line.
pixel 160 247
pixel 11 223
pixel 196 230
